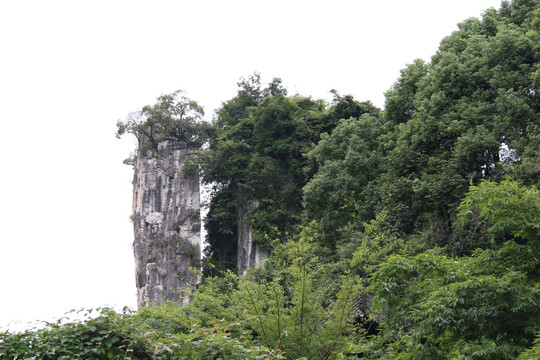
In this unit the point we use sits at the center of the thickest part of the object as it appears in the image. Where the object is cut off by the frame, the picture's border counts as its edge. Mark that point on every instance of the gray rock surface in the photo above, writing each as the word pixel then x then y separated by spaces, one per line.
pixel 166 219
pixel 250 255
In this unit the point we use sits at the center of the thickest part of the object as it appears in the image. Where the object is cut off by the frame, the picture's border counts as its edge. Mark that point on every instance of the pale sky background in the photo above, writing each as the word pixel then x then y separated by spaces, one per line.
pixel 70 69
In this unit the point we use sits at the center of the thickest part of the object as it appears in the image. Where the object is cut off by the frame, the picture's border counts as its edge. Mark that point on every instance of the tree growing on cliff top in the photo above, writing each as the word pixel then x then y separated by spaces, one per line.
pixel 173 115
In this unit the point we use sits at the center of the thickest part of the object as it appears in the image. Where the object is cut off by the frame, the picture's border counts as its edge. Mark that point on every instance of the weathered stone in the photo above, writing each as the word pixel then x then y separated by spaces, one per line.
pixel 250 255
pixel 166 207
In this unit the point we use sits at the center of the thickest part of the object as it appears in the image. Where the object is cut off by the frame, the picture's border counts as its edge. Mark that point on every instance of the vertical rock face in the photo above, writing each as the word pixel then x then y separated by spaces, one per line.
pixel 250 255
pixel 166 214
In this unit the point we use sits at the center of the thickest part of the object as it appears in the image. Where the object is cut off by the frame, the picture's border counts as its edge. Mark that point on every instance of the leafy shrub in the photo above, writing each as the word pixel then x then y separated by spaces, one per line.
pixel 293 312
pixel 119 336
pixel 477 307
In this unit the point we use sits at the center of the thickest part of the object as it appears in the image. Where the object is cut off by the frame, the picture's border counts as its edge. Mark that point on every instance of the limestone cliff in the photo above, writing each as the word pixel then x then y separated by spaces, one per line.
pixel 166 208
pixel 249 255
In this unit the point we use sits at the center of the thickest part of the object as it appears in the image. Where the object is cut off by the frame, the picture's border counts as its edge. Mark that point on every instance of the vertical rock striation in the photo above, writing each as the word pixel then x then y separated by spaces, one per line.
pixel 166 216
pixel 250 255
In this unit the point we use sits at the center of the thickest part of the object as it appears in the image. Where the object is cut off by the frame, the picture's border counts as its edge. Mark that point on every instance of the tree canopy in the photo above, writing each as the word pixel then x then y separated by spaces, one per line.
pixel 173 115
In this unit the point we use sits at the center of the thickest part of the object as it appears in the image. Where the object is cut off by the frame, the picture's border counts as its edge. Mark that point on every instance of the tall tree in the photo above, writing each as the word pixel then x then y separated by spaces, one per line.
pixel 348 159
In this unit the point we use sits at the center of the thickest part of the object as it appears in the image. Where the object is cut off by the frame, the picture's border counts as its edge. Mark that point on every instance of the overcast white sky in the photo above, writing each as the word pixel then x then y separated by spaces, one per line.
pixel 70 69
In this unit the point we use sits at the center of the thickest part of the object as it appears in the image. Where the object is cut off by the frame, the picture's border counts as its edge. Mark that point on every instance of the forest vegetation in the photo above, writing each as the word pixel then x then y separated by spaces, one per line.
pixel 409 232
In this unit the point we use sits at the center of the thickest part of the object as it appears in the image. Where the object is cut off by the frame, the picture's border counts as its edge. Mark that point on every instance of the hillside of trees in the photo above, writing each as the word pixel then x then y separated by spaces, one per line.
pixel 409 232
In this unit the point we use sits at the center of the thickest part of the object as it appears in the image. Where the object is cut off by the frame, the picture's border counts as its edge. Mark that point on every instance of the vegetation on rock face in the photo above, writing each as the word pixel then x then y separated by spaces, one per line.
pixel 408 233
pixel 257 157
pixel 173 115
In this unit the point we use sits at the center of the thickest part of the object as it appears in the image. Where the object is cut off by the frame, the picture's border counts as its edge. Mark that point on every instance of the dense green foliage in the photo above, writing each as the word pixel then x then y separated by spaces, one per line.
pixel 408 233
pixel 124 336
pixel 259 155
pixel 444 125
pixel 482 306
pixel 173 115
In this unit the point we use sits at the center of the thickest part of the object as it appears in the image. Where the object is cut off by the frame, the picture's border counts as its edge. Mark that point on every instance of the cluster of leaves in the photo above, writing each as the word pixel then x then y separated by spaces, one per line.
pixel 173 115
pixel 290 307
pixel 480 306
pixel 125 336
